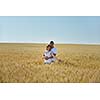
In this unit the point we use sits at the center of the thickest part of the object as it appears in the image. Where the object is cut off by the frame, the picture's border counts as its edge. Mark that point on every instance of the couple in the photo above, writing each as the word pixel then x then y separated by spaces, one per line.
pixel 50 53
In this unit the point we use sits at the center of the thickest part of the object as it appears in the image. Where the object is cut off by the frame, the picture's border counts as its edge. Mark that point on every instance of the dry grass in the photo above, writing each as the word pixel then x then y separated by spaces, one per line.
pixel 23 63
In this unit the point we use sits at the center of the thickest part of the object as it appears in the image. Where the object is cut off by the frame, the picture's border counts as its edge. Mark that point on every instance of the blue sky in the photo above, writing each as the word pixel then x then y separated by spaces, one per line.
pixel 43 29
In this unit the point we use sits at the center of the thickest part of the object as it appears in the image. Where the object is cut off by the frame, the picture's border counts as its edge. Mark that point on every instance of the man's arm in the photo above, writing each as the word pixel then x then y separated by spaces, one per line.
pixel 52 56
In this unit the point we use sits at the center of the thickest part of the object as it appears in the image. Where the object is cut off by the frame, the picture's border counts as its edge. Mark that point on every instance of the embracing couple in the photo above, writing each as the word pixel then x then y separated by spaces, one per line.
pixel 50 53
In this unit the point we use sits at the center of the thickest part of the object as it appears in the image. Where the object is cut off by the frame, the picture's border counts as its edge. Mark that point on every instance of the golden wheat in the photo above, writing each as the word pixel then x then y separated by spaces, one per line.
pixel 23 63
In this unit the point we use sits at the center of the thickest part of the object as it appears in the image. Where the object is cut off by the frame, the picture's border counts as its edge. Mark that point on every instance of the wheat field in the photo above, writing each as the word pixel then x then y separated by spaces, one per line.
pixel 23 63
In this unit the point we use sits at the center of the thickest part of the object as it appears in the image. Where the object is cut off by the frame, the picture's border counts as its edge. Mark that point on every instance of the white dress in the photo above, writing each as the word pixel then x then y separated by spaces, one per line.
pixel 48 54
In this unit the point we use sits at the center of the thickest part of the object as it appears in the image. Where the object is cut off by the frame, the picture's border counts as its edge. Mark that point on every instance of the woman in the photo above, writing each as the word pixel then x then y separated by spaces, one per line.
pixel 48 55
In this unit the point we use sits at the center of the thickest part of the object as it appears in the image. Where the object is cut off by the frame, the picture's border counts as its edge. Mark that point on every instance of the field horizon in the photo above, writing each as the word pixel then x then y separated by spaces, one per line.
pixel 47 43
pixel 23 63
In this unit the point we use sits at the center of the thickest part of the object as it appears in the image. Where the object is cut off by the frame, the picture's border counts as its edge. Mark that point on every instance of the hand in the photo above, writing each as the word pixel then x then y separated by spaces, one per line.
pixel 46 58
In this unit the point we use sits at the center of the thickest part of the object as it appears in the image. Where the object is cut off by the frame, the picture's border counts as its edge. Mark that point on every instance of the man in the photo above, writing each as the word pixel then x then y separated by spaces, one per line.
pixel 54 51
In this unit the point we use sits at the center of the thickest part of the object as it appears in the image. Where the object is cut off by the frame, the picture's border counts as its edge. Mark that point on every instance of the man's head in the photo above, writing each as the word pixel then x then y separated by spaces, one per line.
pixel 52 44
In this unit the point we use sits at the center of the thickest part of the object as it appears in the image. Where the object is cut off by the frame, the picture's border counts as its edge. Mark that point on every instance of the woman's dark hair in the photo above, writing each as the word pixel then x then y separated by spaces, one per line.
pixel 48 46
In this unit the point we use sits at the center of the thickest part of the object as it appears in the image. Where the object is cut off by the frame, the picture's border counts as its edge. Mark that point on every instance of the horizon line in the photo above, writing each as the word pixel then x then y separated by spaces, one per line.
pixel 47 42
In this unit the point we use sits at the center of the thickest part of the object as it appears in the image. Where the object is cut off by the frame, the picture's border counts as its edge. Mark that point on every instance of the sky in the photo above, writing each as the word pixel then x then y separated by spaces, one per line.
pixel 42 29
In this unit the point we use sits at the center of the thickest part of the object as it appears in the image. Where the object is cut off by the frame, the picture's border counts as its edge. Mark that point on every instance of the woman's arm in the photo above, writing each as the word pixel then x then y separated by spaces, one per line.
pixel 45 57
